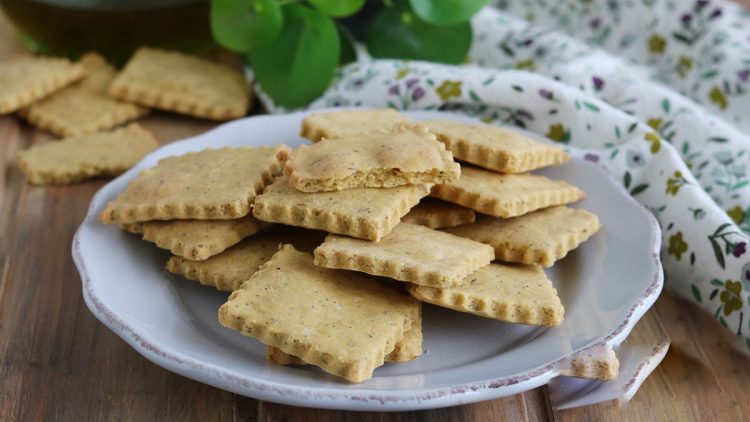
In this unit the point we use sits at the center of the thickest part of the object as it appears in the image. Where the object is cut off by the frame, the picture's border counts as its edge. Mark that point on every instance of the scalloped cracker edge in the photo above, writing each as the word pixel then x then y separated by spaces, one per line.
pixel 410 253
pixel 182 83
pixel 407 155
pixel 213 184
pixel 437 214
pixel 86 156
pixel 337 124
pixel 84 107
pixel 26 79
pixel 540 237
pixel 517 294
pixel 506 195
pixel 293 305
pixel 366 213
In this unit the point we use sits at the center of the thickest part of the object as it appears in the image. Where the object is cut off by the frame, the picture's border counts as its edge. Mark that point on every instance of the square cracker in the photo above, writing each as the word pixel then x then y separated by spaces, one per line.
pixel 213 184
pixel 437 214
pixel 342 321
pixel 506 195
pixel 540 237
pixel 186 84
pixel 229 269
pixel 519 294
pixel 197 240
pixel 408 348
pixel 404 156
pixel 337 124
pixel 86 156
pixel 366 213
pixel 495 148
pixel 84 107
pixel 411 253
pixel 26 79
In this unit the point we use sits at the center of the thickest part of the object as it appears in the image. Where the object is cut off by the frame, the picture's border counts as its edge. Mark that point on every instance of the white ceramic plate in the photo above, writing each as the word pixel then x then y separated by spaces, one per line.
pixel 606 286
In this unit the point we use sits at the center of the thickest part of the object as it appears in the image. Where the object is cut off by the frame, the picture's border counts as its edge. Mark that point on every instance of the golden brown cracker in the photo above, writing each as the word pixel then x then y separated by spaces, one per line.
pixel 506 195
pixel 342 321
pixel 185 84
pixel 519 294
pixel 404 156
pixel 410 253
pixel 495 148
pixel 213 184
pixel 86 156
pixel 337 124
pixel 437 214
pixel 84 107
pixel 197 240
pixel 599 363
pixel 366 213
pixel 541 237
pixel 26 79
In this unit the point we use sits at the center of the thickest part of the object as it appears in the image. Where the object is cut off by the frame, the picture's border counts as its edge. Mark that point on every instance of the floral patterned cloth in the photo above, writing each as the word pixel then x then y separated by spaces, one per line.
pixel 682 157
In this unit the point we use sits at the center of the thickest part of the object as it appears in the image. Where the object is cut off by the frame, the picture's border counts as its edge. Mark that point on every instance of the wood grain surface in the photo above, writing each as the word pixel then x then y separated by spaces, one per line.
pixel 57 362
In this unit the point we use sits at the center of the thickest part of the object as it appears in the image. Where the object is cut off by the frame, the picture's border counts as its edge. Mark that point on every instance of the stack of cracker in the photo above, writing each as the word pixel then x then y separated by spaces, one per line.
pixel 82 102
pixel 355 243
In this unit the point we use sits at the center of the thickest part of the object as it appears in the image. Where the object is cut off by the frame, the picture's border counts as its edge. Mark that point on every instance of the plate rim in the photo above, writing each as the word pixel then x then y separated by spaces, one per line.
pixel 331 398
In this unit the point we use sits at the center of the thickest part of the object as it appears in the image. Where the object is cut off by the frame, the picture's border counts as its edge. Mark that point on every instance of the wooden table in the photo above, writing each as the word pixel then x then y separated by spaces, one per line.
pixel 57 362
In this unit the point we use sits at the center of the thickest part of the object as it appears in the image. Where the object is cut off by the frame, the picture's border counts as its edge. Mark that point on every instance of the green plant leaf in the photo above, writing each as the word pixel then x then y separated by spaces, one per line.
pixel 446 12
pixel 717 252
pixel 696 293
pixel 338 8
pixel 298 66
pixel 396 32
pixel 244 25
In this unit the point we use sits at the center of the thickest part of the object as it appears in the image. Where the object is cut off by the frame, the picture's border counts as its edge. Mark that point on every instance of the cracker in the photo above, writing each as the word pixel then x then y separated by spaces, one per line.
pixel 411 253
pixel 404 156
pixel 365 213
pixel 26 79
pixel 86 156
pixel 506 195
pixel 229 269
pixel 519 294
pixel 337 124
pixel 540 237
pixel 495 148
pixel 84 107
pixel 213 184
pixel 344 322
pixel 437 214
pixel 599 363
pixel 408 348
pixel 185 84
pixel 197 240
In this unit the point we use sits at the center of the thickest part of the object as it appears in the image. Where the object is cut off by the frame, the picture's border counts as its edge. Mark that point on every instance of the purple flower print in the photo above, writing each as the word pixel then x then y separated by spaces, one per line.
pixel 739 249
pixel 394 90
pixel 547 95
pixel 525 115
pixel 411 82
pixel 744 75
pixel 591 157
pixel 417 93
pixel 686 18
pixel 595 23
pixel 715 14
pixel 598 82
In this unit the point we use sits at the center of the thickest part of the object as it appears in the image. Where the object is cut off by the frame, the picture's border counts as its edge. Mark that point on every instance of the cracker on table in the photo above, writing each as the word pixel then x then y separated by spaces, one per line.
pixel 408 348
pixel 512 293
pixel 182 83
pixel 599 363
pixel 437 214
pixel 366 213
pixel 495 148
pixel 213 184
pixel 404 156
pixel 337 124
pixel 506 195
pixel 197 240
pixel 229 269
pixel 411 253
pixel 86 156
pixel 541 237
pixel 84 107
pixel 25 79
pixel 342 321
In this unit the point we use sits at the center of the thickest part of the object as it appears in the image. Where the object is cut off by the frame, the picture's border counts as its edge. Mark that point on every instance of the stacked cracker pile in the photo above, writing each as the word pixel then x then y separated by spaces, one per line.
pixel 82 102
pixel 342 290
